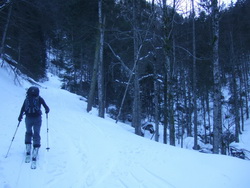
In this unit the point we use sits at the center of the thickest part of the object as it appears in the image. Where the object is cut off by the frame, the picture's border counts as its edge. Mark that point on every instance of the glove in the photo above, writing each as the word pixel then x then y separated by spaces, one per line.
pixel 20 117
pixel 47 111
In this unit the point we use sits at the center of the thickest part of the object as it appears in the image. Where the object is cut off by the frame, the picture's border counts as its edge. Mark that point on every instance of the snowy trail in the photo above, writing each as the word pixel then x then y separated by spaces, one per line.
pixel 76 150
pixel 91 152
pixel 75 144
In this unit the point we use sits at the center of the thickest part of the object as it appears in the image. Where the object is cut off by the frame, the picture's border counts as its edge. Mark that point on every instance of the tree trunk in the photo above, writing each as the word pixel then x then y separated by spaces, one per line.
pixel 185 114
pixel 208 115
pixel 204 119
pixel 189 113
pixel 194 81
pixel 5 33
pixel 241 101
pixel 236 108
pixel 136 103
pixel 80 91
pixel 100 64
pixel 217 121
pixel 235 92
pixel 168 67
pixel 171 120
pixel 156 103
pixel 93 84
pixel 246 81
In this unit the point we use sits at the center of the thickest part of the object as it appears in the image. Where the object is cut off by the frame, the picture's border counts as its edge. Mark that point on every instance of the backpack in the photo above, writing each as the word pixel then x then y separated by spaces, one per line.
pixel 33 91
pixel 32 106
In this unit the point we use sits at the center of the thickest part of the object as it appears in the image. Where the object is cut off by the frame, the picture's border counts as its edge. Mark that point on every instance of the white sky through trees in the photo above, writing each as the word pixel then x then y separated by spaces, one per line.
pixel 184 6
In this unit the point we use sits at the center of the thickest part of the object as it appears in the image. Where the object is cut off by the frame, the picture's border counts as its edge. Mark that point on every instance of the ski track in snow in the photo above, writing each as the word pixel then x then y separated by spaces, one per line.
pixel 91 152
pixel 80 161
pixel 90 170
pixel 75 144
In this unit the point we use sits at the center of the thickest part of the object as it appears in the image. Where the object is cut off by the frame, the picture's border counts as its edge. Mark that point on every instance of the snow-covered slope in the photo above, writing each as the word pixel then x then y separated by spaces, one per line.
pixel 87 151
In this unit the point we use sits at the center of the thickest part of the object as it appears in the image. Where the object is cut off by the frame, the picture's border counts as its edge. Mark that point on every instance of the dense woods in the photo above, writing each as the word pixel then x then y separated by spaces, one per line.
pixel 140 61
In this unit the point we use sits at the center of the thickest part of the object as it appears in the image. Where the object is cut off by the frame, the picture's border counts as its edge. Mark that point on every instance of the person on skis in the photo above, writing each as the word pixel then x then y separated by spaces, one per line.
pixel 32 109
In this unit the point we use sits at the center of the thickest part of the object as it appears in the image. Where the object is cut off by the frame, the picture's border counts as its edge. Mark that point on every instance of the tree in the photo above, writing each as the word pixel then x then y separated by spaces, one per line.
pixel 136 103
pixel 168 64
pixel 100 62
pixel 194 80
pixel 147 60
pixel 91 95
pixel 217 121
pixel 26 38
pixel 5 30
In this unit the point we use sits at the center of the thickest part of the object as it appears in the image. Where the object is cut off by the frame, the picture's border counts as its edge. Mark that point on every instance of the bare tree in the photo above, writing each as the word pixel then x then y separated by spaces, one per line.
pixel 236 107
pixel 194 80
pixel 136 122
pixel 168 43
pixel 156 86
pixel 97 76
pixel 156 103
pixel 100 65
pixel 5 30
pixel 217 120
pixel 93 84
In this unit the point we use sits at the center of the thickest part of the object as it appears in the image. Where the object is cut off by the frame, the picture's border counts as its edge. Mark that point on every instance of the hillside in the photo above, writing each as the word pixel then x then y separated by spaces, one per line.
pixel 87 151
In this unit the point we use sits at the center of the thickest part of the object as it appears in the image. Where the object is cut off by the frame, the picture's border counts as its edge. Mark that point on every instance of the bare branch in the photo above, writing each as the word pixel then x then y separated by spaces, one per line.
pixel 119 59
pixel 191 53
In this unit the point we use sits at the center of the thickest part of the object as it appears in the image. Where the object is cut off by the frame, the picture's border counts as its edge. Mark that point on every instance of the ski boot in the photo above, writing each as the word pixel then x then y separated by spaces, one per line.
pixel 34 157
pixel 28 152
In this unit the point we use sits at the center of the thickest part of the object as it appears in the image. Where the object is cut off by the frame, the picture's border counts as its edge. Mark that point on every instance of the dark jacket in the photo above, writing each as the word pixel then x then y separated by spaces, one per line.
pixel 38 113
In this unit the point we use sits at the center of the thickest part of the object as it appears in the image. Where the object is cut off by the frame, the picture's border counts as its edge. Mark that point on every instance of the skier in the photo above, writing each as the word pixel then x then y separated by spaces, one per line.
pixel 32 109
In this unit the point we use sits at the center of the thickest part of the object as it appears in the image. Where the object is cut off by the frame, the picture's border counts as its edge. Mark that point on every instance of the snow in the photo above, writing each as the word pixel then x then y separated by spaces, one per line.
pixel 88 151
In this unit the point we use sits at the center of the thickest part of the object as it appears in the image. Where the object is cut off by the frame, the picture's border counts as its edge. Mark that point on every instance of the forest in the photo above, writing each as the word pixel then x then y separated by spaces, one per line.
pixel 139 61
